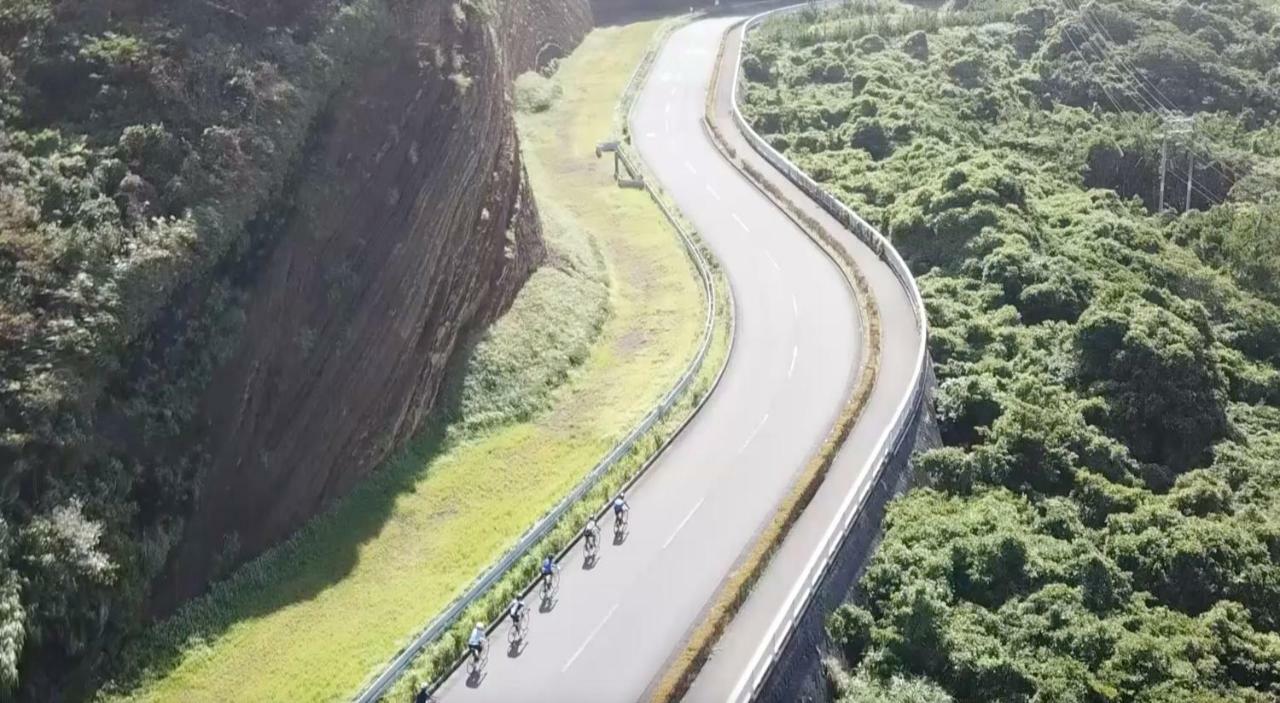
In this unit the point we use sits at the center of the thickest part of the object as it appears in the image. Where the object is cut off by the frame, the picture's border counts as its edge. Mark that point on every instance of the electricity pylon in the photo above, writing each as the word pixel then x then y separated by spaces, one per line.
pixel 1180 129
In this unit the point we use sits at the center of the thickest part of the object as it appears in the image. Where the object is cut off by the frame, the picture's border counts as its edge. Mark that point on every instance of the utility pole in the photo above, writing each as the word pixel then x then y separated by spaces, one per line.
pixel 1191 174
pixel 1164 164
pixel 1181 129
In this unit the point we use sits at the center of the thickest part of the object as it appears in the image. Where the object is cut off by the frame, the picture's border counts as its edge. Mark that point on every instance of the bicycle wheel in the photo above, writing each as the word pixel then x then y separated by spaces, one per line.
pixel 476 662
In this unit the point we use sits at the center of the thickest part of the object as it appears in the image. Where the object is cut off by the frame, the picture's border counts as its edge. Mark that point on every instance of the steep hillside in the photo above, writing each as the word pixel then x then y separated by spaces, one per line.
pixel 239 243
pixel 417 226
pixel 1102 525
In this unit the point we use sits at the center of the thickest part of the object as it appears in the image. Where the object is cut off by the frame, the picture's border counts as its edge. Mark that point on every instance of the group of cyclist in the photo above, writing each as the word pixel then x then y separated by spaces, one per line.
pixel 518 611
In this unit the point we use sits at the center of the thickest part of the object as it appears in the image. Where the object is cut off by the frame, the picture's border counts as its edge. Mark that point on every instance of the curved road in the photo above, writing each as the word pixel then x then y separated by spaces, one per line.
pixel 614 626
pixel 742 652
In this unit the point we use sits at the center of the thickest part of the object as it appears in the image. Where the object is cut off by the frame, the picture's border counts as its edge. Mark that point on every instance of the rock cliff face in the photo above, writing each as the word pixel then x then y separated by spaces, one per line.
pixel 536 31
pixel 414 227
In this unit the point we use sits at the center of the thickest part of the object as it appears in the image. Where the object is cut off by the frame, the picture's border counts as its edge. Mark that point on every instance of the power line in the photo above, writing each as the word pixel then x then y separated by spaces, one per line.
pixel 1102 84
pixel 1149 93
pixel 1101 30
pixel 1188 181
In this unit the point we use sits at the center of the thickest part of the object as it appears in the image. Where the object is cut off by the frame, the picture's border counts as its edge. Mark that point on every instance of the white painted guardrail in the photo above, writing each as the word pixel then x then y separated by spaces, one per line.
pixel 380 685
pixel 891 440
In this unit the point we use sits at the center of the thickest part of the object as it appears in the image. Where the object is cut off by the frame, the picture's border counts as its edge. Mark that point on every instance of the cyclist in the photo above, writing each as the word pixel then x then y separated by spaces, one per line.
pixel 423 695
pixel 517 612
pixel 548 569
pixel 620 506
pixel 476 642
pixel 591 532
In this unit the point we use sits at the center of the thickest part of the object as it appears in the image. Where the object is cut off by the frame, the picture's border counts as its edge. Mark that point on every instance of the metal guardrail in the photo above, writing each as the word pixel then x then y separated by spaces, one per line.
pixel 891 440
pixel 377 688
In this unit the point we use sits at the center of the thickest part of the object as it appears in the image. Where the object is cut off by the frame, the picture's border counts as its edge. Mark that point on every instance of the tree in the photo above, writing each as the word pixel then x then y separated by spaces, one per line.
pixel 915 638
pixel 850 628
pixel 1165 393
pixel 1103 585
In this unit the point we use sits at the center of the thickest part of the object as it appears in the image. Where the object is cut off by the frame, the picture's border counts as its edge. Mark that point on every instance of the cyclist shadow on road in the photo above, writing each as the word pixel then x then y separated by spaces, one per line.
pixel 549 601
pixel 620 534
pixel 477 671
pixel 517 647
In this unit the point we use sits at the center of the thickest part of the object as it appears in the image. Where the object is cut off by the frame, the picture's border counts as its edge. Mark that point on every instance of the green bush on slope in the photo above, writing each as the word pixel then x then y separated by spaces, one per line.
pixel 1102 524
pixel 144 148
pixel 548 332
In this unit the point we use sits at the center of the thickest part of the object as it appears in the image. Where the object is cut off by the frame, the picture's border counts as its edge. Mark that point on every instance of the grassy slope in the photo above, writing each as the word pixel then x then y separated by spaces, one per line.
pixel 358 582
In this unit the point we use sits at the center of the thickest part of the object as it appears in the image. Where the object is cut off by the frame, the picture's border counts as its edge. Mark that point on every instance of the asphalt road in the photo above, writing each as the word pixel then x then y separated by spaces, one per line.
pixel 613 627
pixel 729 673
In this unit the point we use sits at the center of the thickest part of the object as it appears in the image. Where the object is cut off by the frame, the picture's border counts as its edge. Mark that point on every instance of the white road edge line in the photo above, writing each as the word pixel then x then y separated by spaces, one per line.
pixel 589 638
pixel 713 192
pixel 741 224
pixel 772 260
pixel 795 353
pixel 795 307
pixel 689 166
pixel 754 432
pixel 682 524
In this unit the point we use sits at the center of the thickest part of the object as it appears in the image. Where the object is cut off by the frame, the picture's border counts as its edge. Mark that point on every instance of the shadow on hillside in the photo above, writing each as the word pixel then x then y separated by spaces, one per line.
pixel 321 554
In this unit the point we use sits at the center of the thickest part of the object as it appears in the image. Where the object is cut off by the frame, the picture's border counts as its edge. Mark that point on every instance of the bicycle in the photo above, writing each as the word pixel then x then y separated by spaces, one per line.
pixel 476 662
pixel 549 583
pixel 519 629
pixel 591 545
pixel 620 522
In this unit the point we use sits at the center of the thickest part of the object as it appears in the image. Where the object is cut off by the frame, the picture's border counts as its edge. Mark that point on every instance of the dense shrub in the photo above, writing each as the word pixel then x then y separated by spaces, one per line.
pixel 145 153
pixel 1101 524
pixel 536 92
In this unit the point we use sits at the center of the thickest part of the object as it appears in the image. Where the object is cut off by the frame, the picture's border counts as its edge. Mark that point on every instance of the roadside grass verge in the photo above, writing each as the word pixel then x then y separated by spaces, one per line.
pixel 435 661
pixel 542 399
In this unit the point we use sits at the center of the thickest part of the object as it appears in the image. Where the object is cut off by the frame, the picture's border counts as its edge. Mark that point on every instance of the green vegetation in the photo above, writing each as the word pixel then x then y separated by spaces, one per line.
pixel 145 149
pixel 536 92
pixel 548 332
pixel 593 340
pixel 1103 523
